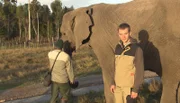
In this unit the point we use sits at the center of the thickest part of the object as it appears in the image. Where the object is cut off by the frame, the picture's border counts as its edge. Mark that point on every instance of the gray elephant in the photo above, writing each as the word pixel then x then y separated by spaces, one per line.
pixel 155 23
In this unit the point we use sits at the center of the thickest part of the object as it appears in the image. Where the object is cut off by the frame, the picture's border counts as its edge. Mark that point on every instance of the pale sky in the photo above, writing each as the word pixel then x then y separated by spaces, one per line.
pixel 77 3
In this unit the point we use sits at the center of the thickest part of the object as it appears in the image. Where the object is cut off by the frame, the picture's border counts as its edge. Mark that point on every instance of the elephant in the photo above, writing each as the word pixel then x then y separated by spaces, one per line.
pixel 154 22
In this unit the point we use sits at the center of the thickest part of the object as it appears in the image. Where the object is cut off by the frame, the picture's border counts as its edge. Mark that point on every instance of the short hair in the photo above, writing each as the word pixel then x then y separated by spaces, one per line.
pixel 124 26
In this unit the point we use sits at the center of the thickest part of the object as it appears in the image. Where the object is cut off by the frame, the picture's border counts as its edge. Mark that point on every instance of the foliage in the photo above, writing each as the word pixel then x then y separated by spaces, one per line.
pixel 57 13
pixel 14 20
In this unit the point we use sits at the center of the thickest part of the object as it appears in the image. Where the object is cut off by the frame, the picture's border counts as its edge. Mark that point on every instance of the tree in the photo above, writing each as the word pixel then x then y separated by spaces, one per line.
pixel 20 16
pixel 45 17
pixel 16 21
pixel 11 1
pixel 9 12
pixel 25 23
pixel 35 7
pixel 29 17
pixel 66 9
pixel 57 12
pixel 2 18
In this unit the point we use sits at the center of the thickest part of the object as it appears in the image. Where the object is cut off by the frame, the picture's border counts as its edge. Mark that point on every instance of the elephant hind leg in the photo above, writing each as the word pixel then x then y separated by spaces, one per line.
pixel 178 93
pixel 171 93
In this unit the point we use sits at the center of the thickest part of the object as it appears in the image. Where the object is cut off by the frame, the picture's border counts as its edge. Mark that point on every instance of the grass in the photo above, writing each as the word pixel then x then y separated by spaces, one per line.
pixel 149 93
pixel 92 97
pixel 85 62
pixel 21 67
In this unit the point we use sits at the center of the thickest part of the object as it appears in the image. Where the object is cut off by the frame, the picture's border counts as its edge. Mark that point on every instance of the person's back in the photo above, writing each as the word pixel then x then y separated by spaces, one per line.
pixel 61 67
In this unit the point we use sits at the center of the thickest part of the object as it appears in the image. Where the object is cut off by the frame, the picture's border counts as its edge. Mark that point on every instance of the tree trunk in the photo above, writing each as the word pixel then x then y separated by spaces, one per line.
pixel 25 33
pixel 29 15
pixel 57 29
pixel 48 36
pixel 20 30
pixel 37 27
pixel 53 41
pixel 8 26
pixel 34 28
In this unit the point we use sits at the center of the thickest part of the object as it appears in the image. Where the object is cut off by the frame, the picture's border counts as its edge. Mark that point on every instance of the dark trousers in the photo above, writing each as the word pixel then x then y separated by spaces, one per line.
pixel 62 88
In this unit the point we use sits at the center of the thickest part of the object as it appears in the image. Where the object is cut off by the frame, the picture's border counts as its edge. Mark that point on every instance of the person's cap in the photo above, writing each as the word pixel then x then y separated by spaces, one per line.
pixel 59 44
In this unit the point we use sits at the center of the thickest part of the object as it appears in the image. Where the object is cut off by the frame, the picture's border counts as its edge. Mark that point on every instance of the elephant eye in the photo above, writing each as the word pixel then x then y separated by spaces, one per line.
pixel 64 33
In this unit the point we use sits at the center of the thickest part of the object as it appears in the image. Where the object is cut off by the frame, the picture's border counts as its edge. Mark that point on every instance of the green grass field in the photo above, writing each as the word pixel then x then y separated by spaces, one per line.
pixel 20 67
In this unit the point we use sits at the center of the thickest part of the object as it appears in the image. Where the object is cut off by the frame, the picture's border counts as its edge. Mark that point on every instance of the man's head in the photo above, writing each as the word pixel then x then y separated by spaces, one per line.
pixel 124 32
pixel 59 44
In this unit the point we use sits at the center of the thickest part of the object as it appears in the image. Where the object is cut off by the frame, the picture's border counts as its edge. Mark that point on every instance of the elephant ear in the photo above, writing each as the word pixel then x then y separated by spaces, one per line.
pixel 81 27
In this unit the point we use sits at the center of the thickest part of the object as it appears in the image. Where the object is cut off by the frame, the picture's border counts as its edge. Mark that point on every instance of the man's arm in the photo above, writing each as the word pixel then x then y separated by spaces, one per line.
pixel 139 72
pixel 70 71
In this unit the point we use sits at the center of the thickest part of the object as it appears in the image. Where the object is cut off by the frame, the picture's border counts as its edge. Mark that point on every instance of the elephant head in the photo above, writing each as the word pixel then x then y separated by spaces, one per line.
pixel 76 27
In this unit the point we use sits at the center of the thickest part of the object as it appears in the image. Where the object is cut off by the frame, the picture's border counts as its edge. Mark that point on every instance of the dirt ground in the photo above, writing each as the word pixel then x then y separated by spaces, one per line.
pixel 39 89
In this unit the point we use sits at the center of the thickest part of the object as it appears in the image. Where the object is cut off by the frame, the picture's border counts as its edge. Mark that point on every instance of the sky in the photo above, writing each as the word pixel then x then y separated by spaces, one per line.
pixel 77 3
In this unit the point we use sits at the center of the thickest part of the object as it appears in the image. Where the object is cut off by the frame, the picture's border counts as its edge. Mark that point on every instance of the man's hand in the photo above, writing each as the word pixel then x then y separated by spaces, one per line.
pixel 112 88
pixel 72 82
pixel 134 95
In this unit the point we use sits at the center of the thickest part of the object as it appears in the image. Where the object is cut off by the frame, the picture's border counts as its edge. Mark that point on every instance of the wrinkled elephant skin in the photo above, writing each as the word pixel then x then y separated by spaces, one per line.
pixel 155 23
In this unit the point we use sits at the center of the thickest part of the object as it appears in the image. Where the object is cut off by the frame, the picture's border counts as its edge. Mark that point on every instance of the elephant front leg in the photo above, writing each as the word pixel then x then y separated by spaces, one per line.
pixel 171 93
pixel 105 55
pixel 107 83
